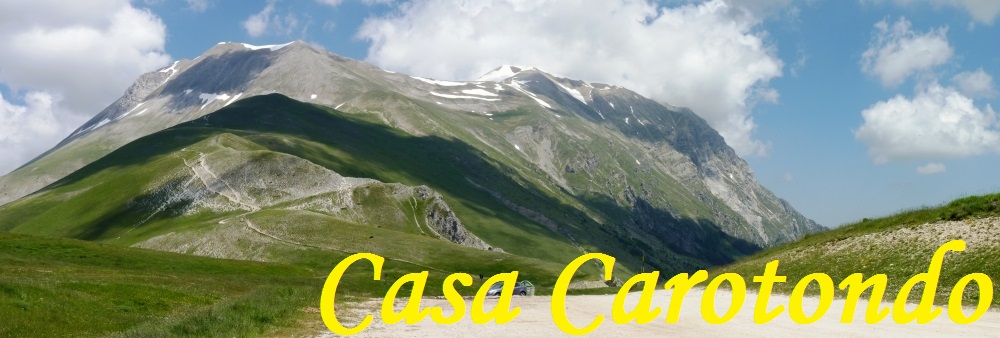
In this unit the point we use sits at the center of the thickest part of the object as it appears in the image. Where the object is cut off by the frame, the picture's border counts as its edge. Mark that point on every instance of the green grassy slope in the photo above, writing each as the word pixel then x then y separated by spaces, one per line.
pixel 587 177
pixel 62 287
pixel 899 246
pixel 58 287
pixel 467 174
pixel 106 201
pixel 122 199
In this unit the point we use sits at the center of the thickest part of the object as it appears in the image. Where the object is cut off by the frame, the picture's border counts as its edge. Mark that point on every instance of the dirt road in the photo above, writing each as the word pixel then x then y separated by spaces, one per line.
pixel 535 320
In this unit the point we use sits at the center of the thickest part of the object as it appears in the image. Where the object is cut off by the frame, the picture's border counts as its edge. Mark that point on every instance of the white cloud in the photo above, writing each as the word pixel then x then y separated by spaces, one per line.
pixel 977 84
pixel 982 11
pixel 87 56
pixel 335 3
pixel 198 5
pixel 710 57
pixel 17 122
pixel 938 122
pixel 931 168
pixel 257 24
pixel 788 177
pixel 28 130
pixel 801 57
pixel 897 52
pixel 766 8
pixel 267 21
pixel 66 61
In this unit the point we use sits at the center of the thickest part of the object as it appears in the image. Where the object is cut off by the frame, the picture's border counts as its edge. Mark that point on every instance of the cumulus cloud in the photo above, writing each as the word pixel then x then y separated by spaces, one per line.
pixel 336 3
pixel 982 11
pixel 267 21
pixel 710 56
pixel 896 52
pixel 931 168
pixel 198 5
pixel 977 84
pixel 64 62
pixel 31 129
pixel 766 8
pixel 87 55
pixel 257 24
pixel 938 122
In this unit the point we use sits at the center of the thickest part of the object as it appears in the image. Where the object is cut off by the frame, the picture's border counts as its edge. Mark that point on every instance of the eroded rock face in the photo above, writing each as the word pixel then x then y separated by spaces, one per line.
pixel 446 224
pixel 226 174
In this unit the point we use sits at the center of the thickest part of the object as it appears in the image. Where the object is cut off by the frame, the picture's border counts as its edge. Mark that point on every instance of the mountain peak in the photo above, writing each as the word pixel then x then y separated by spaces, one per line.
pixel 649 141
pixel 271 47
pixel 228 46
pixel 504 72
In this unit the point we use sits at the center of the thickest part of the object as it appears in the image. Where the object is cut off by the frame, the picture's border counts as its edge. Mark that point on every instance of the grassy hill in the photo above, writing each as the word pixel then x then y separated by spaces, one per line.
pixel 899 246
pixel 145 194
pixel 63 287
pixel 287 190
pixel 59 287
pixel 196 190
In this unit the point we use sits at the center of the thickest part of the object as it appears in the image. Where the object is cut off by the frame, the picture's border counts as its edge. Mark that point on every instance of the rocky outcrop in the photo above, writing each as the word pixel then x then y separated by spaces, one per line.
pixel 446 224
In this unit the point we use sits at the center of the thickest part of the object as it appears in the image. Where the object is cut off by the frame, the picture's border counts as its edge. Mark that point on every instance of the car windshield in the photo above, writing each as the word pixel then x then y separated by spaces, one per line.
pixel 497 286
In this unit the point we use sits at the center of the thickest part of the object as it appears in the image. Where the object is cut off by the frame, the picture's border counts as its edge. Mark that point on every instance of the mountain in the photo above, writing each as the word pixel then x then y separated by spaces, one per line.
pixel 899 246
pixel 254 152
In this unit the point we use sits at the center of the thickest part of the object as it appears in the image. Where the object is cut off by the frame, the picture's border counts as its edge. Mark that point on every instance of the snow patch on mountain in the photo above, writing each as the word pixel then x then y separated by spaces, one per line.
pixel 480 92
pixel 447 96
pixel 98 125
pixel 130 111
pixel 271 47
pixel 573 92
pixel 517 85
pixel 441 83
pixel 502 73
pixel 207 98
pixel 237 97
pixel 136 107
pixel 172 69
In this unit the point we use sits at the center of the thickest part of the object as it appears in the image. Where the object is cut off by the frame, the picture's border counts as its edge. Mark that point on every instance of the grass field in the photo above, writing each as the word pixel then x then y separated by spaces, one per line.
pixel 63 287
pixel 60 287
pixel 899 246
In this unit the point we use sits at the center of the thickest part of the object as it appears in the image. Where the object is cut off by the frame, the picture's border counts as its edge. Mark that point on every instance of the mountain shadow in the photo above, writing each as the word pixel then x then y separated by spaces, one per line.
pixel 354 147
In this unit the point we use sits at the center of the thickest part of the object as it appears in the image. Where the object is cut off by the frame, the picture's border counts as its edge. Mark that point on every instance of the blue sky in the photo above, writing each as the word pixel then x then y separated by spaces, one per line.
pixel 847 109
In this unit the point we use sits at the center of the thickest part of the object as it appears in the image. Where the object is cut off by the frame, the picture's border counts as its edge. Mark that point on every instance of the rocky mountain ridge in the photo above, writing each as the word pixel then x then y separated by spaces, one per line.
pixel 648 172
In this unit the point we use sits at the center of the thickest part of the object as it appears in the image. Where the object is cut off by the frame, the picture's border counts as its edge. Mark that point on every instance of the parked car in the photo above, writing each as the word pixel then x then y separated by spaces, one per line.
pixel 522 288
